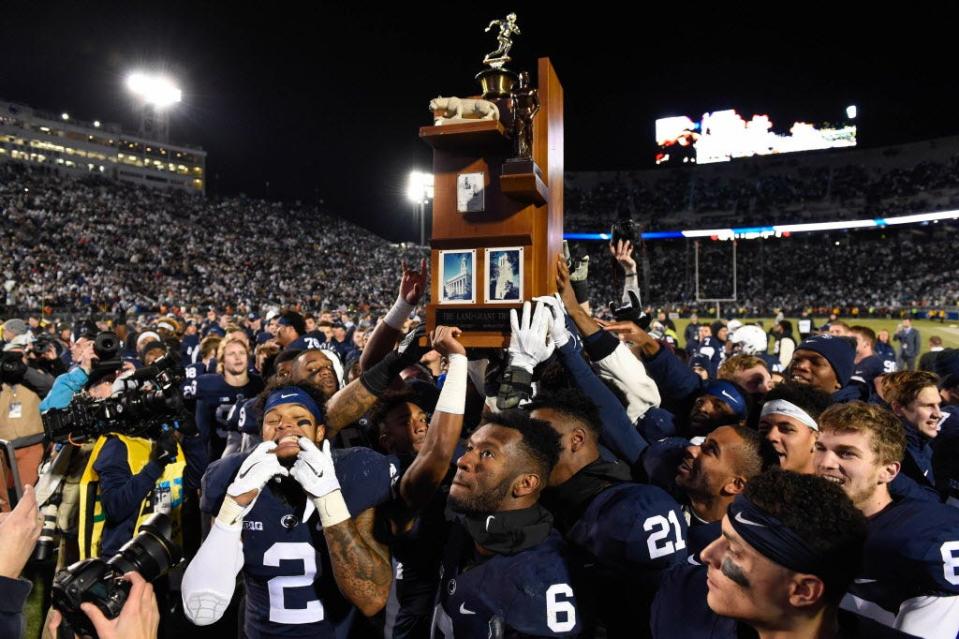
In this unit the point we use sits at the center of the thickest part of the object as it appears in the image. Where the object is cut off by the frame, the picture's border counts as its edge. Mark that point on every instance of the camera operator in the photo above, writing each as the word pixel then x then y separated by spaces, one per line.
pixel 128 478
pixel 44 355
pixel 68 384
pixel 21 390
pixel 34 377
pixel 125 471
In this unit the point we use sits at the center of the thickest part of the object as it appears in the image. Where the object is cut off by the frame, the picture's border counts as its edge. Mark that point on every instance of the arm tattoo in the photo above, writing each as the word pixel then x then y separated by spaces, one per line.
pixel 347 406
pixel 361 565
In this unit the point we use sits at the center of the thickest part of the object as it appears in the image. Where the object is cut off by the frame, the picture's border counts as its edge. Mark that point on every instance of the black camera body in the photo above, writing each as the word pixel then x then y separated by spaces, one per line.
pixel 151 553
pixel 623 230
pixel 12 368
pixel 151 400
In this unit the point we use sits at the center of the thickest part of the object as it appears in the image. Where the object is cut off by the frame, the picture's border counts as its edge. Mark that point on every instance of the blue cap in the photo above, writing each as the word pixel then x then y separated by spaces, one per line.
pixel 727 391
pixel 840 352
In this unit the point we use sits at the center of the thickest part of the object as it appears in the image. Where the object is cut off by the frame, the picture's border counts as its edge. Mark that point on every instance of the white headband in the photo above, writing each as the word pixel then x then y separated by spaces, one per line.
pixel 782 407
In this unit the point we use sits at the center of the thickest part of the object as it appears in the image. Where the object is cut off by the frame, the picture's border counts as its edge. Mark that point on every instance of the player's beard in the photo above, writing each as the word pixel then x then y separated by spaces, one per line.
pixel 489 501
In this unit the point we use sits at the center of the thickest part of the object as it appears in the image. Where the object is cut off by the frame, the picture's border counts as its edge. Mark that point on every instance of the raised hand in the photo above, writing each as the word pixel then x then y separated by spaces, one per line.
pixel 444 341
pixel 413 283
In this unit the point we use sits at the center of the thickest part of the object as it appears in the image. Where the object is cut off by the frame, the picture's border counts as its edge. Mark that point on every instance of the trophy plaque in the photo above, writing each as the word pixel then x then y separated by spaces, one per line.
pixel 498 197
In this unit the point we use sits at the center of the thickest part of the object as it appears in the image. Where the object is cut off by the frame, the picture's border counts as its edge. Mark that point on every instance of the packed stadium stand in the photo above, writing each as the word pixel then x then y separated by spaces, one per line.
pixel 72 244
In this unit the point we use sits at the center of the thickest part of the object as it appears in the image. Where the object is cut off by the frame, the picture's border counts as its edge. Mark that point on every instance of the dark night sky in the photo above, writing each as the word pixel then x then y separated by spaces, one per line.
pixel 327 100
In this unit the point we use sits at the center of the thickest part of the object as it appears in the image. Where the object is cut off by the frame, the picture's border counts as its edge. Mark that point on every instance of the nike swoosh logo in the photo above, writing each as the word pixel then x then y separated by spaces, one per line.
pixel 488 520
pixel 864 581
pixel 743 520
pixel 693 561
pixel 287 396
pixel 731 398
pixel 464 611
pixel 247 471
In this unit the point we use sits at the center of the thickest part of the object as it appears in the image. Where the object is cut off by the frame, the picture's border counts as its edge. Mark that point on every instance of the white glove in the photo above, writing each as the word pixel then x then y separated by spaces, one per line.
pixel 257 469
pixel 316 474
pixel 527 343
pixel 314 469
pixel 557 327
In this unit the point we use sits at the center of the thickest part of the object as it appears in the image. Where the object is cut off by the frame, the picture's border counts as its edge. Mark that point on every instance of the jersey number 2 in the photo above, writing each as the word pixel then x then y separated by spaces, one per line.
pixel 291 552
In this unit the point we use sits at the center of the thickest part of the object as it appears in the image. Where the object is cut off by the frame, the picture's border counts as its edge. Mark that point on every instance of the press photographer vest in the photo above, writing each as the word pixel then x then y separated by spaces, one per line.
pixel 166 496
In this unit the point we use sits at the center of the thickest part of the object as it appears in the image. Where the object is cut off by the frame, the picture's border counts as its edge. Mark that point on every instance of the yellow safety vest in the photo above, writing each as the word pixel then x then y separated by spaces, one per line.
pixel 168 491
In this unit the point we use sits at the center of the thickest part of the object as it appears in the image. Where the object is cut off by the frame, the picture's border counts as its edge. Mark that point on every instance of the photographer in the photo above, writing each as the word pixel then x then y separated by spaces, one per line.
pixel 20 421
pixel 68 384
pixel 126 480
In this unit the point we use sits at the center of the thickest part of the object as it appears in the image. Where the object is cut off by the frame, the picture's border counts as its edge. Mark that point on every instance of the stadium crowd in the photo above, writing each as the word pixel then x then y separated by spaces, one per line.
pixel 77 245
pixel 61 238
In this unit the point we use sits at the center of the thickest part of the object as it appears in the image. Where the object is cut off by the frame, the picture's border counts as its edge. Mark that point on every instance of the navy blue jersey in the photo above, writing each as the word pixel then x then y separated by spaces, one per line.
pixel 679 610
pixel 213 392
pixel 244 417
pixel 527 593
pixel 632 528
pixel 626 537
pixel 701 533
pixel 945 455
pixel 710 351
pixel 869 369
pixel 886 353
pixel 290 589
pixel 772 362
pixel 304 342
pixel 189 349
pixel 912 550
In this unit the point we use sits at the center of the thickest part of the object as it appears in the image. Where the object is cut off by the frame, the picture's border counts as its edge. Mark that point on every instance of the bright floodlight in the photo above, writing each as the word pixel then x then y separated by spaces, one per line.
pixel 851 112
pixel 419 187
pixel 96 123
pixel 156 90
pixel 65 116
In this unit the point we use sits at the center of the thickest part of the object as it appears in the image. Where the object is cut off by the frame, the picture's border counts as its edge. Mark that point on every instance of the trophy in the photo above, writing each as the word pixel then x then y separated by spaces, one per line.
pixel 498 81
pixel 498 207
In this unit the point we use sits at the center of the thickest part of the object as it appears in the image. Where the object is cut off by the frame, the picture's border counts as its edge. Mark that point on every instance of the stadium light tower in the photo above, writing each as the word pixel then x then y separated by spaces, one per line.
pixel 156 94
pixel 419 190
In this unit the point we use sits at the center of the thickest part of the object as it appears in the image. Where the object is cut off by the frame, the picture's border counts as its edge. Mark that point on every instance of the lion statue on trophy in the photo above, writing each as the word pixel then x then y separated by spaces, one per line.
pixel 452 109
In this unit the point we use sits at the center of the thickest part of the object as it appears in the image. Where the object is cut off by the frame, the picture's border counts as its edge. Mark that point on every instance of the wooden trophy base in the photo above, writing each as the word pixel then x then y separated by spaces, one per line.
pixel 483 325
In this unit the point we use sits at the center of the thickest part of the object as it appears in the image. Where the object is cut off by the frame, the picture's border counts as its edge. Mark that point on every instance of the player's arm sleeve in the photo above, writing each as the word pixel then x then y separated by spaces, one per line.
pixel 210 579
pixel 617 363
pixel 618 433
pixel 932 617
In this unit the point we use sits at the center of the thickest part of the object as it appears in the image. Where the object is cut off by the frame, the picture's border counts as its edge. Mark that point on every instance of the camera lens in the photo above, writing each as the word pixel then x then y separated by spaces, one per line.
pixel 107 346
pixel 150 553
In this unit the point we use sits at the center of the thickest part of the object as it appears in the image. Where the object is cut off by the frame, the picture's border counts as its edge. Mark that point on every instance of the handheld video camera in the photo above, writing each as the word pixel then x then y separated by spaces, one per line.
pixel 152 398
